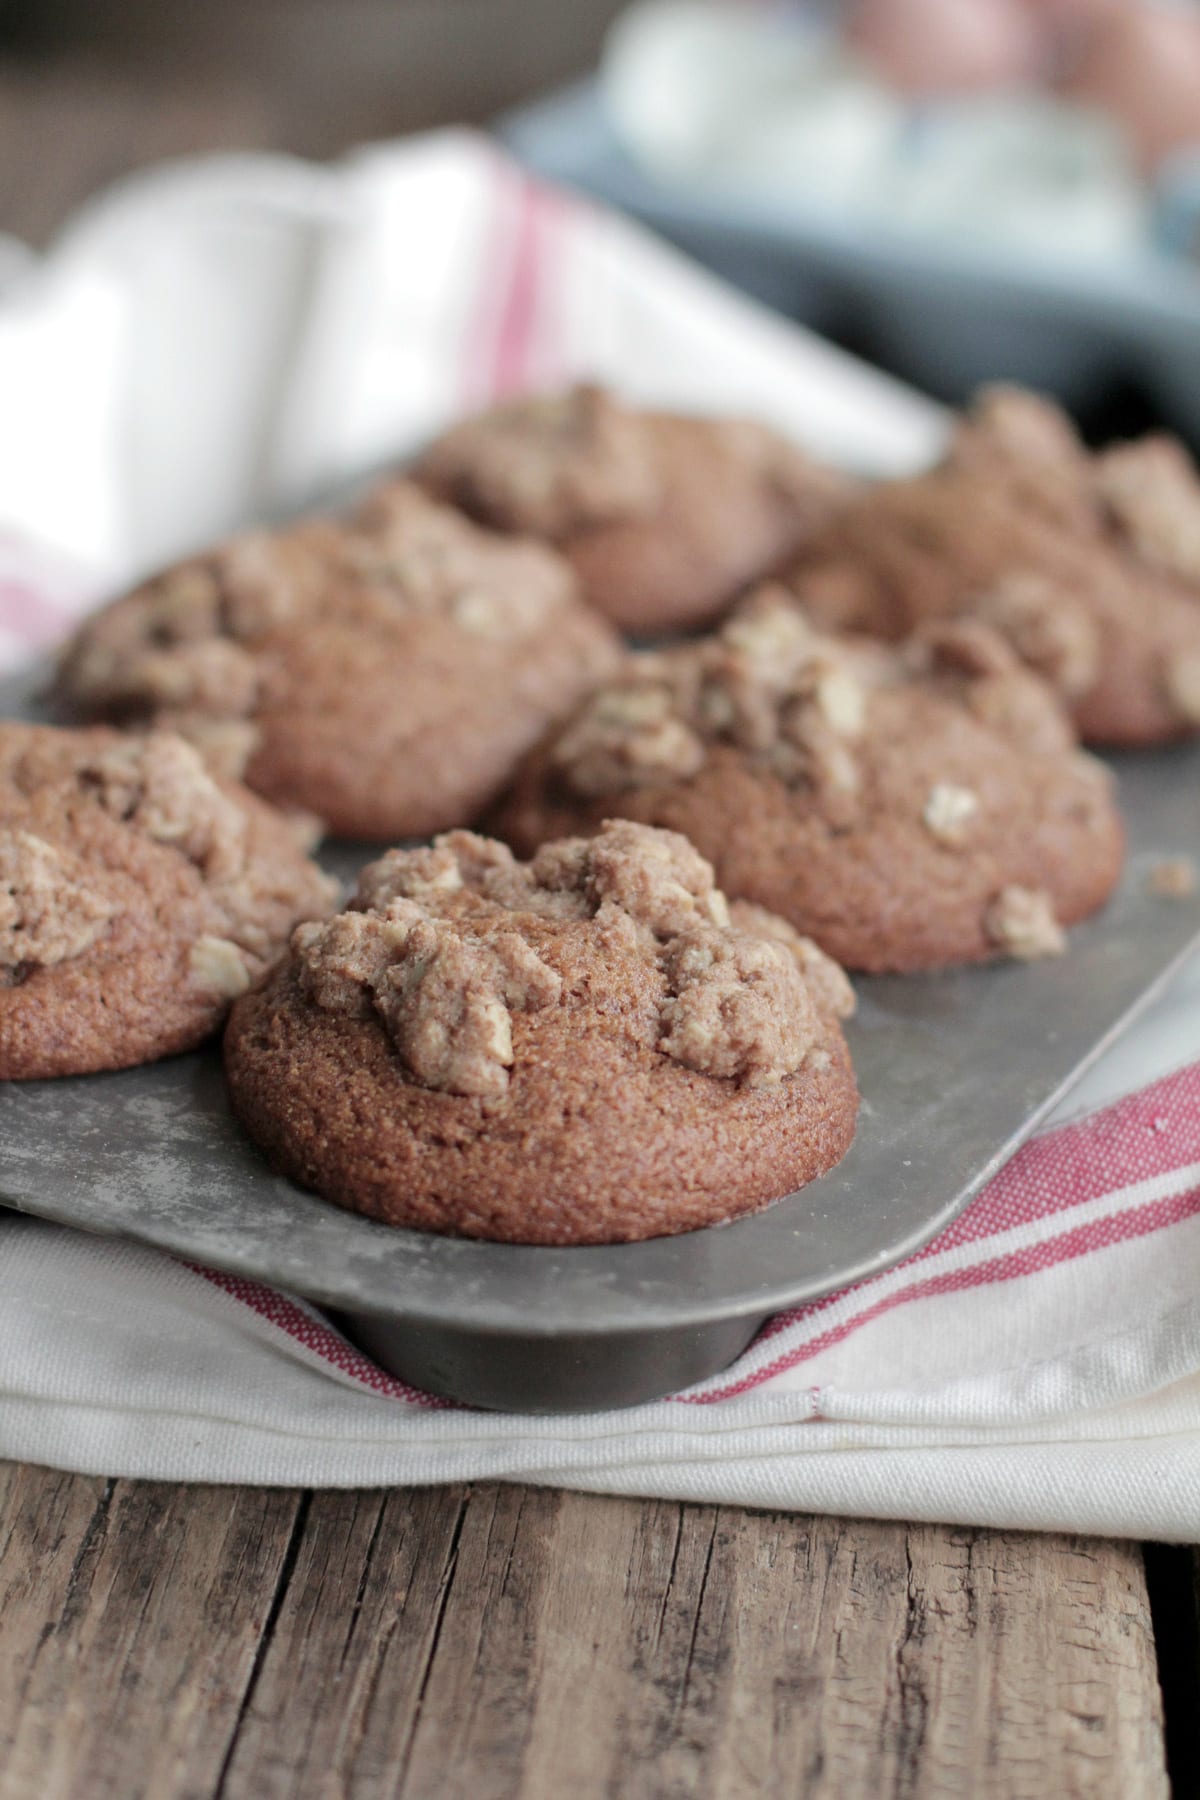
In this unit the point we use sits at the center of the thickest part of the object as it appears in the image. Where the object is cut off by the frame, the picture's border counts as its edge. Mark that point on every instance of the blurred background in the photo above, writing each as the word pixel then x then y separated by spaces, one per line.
pixel 92 88
pixel 959 190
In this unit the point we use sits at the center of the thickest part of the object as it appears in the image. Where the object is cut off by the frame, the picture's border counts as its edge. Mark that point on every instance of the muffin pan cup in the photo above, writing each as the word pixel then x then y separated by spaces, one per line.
pixel 956 1070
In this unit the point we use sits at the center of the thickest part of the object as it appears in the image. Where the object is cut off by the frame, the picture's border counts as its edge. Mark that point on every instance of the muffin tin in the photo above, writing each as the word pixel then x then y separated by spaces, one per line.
pixel 956 1070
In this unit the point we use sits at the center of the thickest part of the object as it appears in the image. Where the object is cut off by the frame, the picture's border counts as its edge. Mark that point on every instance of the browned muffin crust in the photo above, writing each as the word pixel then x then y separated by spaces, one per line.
pixel 585 1049
pixel 384 672
pixel 907 809
pixel 665 518
pixel 1088 564
pixel 138 897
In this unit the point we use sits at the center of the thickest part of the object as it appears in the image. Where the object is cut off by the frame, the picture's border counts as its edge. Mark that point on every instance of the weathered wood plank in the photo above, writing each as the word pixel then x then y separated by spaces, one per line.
pixel 340 1681
pixel 692 1651
pixel 536 1644
pixel 502 1641
pixel 130 1620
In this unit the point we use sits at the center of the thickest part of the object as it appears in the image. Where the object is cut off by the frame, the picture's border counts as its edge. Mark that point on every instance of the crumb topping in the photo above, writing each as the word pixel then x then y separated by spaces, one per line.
pixel 1020 425
pixel 551 464
pixel 438 945
pixel 427 558
pixel 826 979
pixel 975 665
pixel 1048 625
pixel 48 911
pixel 1146 491
pixel 765 682
pixel 448 1000
pixel 739 1007
pixel 191 645
pixel 563 464
pixel 218 965
pixel 963 647
pixel 54 905
pixel 949 811
pixel 1152 493
pixel 1021 922
pixel 1174 878
pixel 159 785
pixel 117 845
pixel 628 737
pixel 799 702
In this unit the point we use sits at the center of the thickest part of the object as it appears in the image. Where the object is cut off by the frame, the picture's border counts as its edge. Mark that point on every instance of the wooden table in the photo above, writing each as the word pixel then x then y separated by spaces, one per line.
pixel 499 1641
pixel 174 1642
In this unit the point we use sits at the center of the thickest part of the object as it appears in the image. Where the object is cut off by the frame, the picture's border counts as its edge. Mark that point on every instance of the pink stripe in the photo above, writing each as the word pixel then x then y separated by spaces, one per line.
pixel 513 340
pixel 518 314
pixel 321 1339
pixel 525 339
pixel 1101 1234
pixel 543 357
pixel 483 319
pixel 1142 1135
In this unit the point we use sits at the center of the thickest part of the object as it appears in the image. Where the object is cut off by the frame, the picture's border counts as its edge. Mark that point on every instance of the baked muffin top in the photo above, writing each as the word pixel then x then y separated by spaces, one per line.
pixel 138 896
pixel 383 671
pixel 665 517
pixel 907 806
pixel 1087 562
pixel 442 945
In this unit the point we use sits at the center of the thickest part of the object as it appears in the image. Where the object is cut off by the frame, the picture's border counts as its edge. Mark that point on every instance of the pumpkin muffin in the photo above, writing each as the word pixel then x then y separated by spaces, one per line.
pixel 1088 563
pixel 665 518
pixel 138 897
pixel 384 672
pixel 589 1048
pixel 908 808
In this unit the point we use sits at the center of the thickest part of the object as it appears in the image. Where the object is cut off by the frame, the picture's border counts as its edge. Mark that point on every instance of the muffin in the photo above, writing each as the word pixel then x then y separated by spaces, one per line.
pixel 664 518
pixel 138 897
pixel 589 1048
pixel 385 672
pixel 1089 564
pixel 908 808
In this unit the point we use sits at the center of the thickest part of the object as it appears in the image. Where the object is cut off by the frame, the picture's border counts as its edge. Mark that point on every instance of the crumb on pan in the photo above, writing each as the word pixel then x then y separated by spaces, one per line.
pixel 1173 878
pixel 1021 922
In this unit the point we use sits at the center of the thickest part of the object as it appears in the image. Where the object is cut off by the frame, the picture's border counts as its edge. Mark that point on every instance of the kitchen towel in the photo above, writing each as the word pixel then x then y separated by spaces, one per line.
pixel 224 340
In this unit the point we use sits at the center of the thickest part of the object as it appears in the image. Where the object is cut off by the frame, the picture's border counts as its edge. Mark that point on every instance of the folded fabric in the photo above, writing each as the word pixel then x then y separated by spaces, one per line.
pixel 213 343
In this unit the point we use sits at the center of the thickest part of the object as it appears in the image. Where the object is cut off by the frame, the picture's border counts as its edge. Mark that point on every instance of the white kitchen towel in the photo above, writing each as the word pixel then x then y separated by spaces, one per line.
pixel 215 342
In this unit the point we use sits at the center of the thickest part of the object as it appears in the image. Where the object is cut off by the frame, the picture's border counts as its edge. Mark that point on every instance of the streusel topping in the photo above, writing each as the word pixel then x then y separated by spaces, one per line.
pixel 193 646
pixel 447 945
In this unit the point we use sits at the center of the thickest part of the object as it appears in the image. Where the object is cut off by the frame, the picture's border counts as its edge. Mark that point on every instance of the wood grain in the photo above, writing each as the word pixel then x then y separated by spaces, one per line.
pixel 608 1647
pixel 500 1641
pixel 341 1681
pixel 131 1616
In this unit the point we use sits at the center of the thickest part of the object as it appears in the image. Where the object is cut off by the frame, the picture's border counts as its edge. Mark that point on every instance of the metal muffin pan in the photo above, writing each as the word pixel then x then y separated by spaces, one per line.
pixel 956 1070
